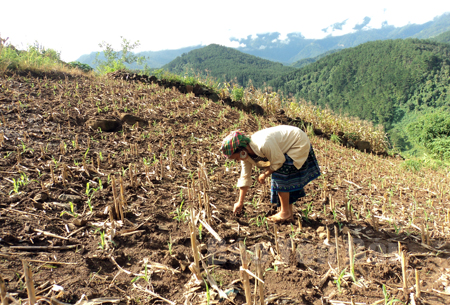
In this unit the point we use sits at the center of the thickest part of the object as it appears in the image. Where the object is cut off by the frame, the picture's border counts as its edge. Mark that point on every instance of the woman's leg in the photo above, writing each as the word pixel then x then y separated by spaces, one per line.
pixel 286 209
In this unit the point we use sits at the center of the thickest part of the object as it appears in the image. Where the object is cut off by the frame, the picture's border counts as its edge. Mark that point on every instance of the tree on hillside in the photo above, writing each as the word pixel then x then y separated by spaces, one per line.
pixel 115 60
pixel 433 132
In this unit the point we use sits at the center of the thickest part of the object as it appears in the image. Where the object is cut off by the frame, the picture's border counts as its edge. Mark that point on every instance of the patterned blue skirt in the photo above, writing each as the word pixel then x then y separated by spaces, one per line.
pixel 292 180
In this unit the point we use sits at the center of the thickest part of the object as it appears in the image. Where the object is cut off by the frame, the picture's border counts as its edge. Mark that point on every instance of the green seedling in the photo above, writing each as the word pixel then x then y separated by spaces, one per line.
pixel 307 211
pixel 200 228
pixel 275 268
pixel 145 276
pixel 338 281
pixel 25 149
pixel 387 297
pixel 259 221
pixel 180 215
pixel 90 194
pixel 208 294
pixel 22 181
pixel 102 243
pixel 293 233
pixel 170 244
pixel 72 211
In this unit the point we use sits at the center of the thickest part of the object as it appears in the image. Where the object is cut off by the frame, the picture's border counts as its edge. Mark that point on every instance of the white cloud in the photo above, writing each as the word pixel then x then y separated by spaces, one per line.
pixel 77 27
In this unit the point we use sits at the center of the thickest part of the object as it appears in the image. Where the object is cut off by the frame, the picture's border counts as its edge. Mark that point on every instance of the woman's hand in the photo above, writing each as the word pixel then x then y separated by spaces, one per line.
pixel 238 207
pixel 262 178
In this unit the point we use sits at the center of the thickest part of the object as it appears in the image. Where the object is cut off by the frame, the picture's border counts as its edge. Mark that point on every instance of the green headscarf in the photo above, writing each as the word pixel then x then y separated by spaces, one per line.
pixel 233 141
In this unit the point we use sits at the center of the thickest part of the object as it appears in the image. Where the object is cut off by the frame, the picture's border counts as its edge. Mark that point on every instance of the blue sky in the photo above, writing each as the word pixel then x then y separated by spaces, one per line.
pixel 75 28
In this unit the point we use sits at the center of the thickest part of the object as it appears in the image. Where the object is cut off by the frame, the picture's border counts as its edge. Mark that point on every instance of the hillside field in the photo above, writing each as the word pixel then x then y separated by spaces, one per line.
pixel 105 216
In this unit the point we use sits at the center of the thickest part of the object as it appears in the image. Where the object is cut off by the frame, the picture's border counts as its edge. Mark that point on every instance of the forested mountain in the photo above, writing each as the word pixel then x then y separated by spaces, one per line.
pixel 444 37
pixel 389 82
pixel 226 64
pixel 304 62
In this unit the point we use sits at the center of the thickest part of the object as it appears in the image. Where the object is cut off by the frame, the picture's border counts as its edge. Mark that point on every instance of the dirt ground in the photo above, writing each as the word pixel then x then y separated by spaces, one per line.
pixel 58 212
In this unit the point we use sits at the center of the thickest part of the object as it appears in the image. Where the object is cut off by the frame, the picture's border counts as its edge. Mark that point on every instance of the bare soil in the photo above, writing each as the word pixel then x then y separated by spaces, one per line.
pixel 44 125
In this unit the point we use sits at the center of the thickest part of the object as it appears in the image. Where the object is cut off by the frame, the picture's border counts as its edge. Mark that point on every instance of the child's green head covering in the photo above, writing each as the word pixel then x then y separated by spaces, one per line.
pixel 233 141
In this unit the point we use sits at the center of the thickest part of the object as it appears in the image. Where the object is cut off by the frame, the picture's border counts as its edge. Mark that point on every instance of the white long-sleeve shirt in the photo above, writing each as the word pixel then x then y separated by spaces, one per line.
pixel 272 143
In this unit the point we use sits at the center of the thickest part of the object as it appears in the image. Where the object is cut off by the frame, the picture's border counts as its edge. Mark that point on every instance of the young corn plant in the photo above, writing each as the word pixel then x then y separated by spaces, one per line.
pixel 90 194
pixel 180 215
pixel 102 243
pixel 200 228
pixel 308 210
pixel 259 221
pixel 145 276
pixel 338 281
pixel 22 181
pixel 72 211
pixel 387 300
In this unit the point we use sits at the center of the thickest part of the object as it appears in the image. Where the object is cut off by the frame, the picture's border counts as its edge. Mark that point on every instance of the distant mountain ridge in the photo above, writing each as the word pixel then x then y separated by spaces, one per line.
pixel 155 59
pixel 295 47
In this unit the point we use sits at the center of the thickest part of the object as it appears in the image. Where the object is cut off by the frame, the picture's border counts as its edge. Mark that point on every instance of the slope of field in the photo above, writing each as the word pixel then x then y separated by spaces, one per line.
pixel 64 184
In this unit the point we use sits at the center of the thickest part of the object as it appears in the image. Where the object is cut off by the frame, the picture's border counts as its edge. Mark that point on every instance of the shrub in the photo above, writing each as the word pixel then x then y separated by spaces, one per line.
pixel 81 66
pixel 237 94
pixel 440 147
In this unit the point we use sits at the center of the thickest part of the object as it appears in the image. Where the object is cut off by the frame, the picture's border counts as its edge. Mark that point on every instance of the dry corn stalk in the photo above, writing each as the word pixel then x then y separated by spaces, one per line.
pixel 3 291
pixel 350 252
pixel 52 174
pixel 260 274
pixel 29 281
pixel 336 237
pixel 417 283
pixel 404 270
pixel 162 166
pixel 194 243
pixel 243 274
pixel 275 231
pixel 115 201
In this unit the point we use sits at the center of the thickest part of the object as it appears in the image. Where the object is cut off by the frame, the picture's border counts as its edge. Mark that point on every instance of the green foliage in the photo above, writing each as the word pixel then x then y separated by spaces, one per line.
pixel 180 215
pixel 116 60
pixel 22 181
pixel 412 165
pixel 81 66
pixel 237 93
pixel 429 127
pixel 432 131
pixel 35 57
pixel 440 147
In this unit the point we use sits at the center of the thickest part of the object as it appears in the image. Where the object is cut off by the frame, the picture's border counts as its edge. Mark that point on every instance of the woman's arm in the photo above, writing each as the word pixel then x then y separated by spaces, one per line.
pixel 240 204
